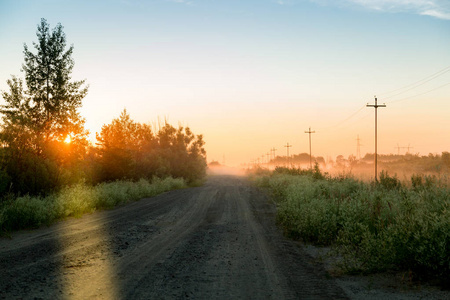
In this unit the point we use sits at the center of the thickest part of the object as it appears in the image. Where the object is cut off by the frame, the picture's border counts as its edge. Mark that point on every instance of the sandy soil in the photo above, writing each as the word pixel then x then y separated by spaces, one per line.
pixel 218 241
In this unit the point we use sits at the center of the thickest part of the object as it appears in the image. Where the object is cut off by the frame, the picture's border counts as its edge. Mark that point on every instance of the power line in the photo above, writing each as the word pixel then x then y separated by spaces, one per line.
pixel 429 91
pixel 345 120
pixel 416 84
pixel 408 87
pixel 356 121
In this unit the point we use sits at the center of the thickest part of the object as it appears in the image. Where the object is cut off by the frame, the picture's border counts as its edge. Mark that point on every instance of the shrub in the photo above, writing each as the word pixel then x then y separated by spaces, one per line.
pixel 389 182
pixel 374 227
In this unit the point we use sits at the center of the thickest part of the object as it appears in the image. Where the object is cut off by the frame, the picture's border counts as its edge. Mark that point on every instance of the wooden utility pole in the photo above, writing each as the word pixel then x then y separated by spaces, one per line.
pixel 376 105
pixel 287 148
pixel 310 157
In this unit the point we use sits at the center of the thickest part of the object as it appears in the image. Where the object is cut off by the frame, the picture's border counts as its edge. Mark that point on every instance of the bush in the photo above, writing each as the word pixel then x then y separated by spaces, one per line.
pixel 389 182
pixel 374 227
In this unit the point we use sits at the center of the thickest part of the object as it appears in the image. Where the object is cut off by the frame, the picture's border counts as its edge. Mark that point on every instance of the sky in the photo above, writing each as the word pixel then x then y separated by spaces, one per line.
pixel 254 75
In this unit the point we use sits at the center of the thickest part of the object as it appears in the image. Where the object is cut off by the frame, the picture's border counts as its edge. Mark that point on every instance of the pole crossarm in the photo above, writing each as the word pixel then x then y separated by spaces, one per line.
pixel 376 105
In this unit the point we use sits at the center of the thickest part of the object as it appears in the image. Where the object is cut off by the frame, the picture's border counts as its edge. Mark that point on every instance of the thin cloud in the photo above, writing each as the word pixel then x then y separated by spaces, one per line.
pixel 437 14
pixel 434 8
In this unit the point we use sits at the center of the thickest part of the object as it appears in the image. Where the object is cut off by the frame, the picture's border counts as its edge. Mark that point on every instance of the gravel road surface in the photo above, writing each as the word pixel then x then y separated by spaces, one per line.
pixel 218 241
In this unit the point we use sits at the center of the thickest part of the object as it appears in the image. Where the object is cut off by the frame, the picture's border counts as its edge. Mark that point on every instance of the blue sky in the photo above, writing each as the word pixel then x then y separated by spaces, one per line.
pixel 251 75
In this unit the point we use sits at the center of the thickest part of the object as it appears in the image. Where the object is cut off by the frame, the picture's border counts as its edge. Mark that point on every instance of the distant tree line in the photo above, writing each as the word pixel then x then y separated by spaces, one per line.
pixel 405 165
pixel 297 159
pixel 43 142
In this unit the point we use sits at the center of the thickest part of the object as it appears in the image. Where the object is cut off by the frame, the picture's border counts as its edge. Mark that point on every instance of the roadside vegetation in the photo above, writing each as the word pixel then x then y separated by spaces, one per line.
pixel 50 170
pixel 74 201
pixel 389 226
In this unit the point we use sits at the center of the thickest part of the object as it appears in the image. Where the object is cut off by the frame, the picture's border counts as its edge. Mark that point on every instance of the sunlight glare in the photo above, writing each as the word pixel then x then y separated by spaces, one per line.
pixel 68 139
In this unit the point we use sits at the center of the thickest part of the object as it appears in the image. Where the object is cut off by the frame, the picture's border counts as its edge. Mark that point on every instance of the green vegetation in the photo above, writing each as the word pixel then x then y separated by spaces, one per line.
pixel 37 117
pixel 48 168
pixel 32 212
pixel 374 227
pixel 127 149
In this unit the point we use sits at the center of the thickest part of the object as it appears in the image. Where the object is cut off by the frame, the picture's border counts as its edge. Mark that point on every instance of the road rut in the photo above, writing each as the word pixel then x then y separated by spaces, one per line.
pixel 217 241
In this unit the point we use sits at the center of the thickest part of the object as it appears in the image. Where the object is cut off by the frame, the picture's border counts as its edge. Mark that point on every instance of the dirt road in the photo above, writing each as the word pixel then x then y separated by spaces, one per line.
pixel 218 241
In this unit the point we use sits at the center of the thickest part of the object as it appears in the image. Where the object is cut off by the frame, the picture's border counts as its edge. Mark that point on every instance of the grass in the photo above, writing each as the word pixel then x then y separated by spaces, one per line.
pixel 374 227
pixel 32 212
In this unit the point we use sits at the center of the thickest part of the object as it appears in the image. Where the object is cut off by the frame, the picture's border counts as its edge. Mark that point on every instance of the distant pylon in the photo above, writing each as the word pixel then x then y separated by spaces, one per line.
pixel 398 149
pixel 407 151
pixel 409 148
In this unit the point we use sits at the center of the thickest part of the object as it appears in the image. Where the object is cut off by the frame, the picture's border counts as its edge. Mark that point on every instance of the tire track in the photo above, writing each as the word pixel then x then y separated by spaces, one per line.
pixel 218 241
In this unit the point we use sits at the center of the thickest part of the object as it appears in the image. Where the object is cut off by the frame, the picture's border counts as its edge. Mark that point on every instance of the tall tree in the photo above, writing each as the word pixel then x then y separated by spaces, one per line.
pixel 39 116
pixel 54 98
pixel 121 146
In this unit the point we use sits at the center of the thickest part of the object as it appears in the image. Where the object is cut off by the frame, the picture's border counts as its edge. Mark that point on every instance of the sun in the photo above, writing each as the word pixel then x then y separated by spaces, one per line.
pixel 68 139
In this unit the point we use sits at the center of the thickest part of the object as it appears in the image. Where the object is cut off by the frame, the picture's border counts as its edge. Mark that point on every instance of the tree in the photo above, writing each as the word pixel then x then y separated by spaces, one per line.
pixel 54 98
pixel 181 153
pixel 127 149
pixel 122 146
pixel 38 118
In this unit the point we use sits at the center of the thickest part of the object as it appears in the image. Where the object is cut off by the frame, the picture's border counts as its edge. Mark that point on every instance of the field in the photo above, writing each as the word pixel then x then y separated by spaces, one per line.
pixel 389 226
